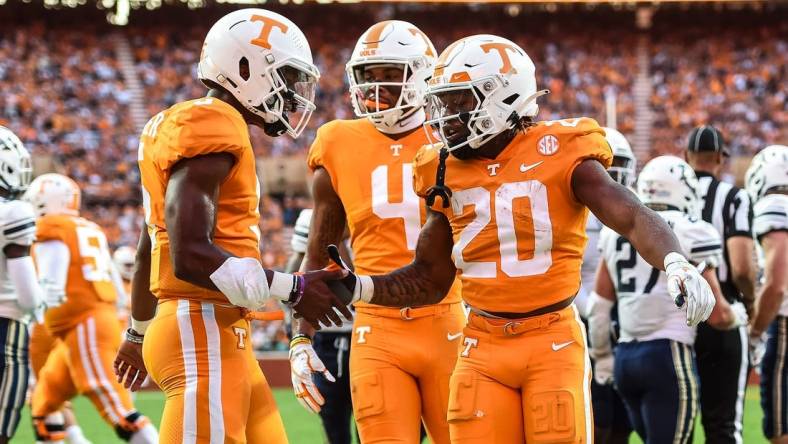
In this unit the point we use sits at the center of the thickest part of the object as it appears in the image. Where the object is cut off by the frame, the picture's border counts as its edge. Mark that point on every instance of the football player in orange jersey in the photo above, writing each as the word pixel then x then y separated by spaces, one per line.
pixel 514 196
pixel 200 254
pixel 75 270
pixel 400 359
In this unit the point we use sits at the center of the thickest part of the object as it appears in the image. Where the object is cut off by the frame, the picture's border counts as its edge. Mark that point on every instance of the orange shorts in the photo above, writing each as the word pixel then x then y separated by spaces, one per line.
pixel 525 380
pixel 201 356
pixel 81 363
pixel 41 345
pixel 400 365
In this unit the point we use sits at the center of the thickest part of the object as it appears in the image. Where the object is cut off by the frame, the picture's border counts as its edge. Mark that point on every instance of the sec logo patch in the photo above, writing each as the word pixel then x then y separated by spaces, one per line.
pixel 547 145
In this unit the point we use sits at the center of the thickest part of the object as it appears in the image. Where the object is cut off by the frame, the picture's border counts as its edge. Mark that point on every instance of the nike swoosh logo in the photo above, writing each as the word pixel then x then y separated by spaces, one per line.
pixel 557 347
pixel 454 336
pixel 524 168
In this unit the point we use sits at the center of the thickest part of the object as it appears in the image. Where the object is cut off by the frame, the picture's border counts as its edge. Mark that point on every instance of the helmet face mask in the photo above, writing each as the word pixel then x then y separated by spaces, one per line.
pixel 458 117
pixel 388 71
pixel 291 100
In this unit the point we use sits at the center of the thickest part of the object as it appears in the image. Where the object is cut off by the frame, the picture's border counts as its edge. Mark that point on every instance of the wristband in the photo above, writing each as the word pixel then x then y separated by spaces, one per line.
pixel 300 339
pixel 140 326
pixel 133 336
pixel 282 285
pixel 297 292
pixel 366 287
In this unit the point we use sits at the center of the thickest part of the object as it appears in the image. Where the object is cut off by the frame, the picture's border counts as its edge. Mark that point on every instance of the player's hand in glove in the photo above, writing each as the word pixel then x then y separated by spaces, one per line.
pixel 688 288
pixel 739 315
pixel 603 369
pixel 757 349
pixel 303 363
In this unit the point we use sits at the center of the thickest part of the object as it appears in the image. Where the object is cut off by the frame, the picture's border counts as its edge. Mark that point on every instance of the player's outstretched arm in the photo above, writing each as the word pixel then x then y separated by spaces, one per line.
pixel 191 202
pixel 619 208
pixel 129 365
pixel 424 281
pixel 328 221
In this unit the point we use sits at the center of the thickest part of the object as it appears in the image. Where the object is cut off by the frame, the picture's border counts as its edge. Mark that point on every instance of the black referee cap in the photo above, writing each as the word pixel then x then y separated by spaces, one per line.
pixel 706 138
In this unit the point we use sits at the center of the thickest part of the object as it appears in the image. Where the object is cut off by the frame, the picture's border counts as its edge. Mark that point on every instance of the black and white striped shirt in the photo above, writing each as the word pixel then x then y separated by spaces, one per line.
pixel 728 208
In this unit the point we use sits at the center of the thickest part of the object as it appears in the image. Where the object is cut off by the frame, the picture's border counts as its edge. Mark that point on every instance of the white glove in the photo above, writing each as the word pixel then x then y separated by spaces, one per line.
pixel 739 314
pixel 603 369
pixel 304 362
pixel 757 350
pixel 688 289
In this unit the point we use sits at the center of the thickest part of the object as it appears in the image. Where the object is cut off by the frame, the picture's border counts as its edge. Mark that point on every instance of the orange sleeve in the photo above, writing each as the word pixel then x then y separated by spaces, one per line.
pixel 203 128
pixel 50 228
pixel 587 142
pixel 425 166
pixel 324 145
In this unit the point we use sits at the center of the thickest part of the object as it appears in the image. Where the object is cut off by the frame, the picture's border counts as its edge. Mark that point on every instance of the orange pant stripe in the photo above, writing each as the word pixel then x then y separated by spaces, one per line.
pixel 98 386
pixel 214 373
pixel 101 371
pixel 190 373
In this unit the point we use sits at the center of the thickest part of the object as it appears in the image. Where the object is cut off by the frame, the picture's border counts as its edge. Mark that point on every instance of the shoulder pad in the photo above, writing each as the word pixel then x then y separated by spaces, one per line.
pixel 425 166
pixel 53 227
pixel 205 126
pixel 17 223
pixel 572 126
pixel 770 214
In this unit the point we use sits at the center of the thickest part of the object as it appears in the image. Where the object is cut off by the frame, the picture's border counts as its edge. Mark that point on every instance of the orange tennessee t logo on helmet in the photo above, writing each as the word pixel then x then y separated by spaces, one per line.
pixel 501 48
pixel 268 25
pixel 416 31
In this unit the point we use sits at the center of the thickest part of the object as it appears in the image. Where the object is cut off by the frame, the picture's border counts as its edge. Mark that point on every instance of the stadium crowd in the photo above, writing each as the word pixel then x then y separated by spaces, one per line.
pixel 66 98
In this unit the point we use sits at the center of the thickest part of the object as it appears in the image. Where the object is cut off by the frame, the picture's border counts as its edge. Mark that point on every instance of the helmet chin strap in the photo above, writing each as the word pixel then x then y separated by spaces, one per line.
pixel 410 122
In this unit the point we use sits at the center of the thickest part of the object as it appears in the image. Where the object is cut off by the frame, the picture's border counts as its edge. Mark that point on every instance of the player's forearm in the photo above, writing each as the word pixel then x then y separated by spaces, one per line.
pixel 411 286
pixel 768 305
pixel 652 237
pixel 143 302
pixel 742 267
pixel 22 274
pixel 328 221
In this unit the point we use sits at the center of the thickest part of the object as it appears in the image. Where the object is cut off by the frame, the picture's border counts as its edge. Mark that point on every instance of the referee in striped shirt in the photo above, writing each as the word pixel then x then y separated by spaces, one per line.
pixel 722 356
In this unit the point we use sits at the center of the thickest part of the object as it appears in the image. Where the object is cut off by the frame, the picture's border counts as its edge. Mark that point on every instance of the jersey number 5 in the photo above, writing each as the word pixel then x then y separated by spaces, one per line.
pixel 541 231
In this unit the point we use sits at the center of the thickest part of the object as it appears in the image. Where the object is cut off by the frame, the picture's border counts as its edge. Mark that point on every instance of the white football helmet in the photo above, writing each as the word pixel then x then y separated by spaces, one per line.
pixel 54 194
pixel 15 167
pixel 481 86
pixel 624 162
pixel 768 170
pixel 670 182
pixel 264 60
pixel 397 44
pixel 124 258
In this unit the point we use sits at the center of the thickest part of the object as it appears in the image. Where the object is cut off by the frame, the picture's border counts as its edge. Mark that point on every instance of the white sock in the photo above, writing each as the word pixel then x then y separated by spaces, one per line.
pixel 74 435
pixel 145 435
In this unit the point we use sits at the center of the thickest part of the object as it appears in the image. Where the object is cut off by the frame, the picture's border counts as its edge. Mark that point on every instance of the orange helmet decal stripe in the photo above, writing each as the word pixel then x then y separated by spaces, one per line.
pixel 501 49
pixel 418 32
pixel 372 41
pixel 265 32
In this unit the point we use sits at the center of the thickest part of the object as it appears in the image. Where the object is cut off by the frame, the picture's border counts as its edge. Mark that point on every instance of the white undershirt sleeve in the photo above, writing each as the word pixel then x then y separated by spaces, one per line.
pixel 53 259
pixel 22 273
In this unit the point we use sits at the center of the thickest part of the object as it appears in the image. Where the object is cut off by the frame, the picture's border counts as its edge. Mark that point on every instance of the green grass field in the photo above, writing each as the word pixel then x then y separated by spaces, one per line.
pixel 304 428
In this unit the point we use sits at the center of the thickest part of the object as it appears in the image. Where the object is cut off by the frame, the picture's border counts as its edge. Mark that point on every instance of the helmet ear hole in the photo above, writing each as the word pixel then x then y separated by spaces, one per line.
pixel 243 69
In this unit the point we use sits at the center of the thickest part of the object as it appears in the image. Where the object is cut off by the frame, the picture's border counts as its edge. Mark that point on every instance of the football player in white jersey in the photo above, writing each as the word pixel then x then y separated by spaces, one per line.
pixel 654 367
pixel 20 294
pixel 767 184
pixel 611 425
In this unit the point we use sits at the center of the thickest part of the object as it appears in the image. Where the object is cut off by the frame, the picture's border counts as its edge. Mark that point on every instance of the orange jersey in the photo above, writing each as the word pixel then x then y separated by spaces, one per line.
pixel 519 231
pixel 190 129
pixel 89 281
pixel 372 175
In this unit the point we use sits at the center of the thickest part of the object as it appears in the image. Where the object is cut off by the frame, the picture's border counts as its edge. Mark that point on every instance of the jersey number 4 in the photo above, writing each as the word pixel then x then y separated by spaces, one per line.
pixel 541 231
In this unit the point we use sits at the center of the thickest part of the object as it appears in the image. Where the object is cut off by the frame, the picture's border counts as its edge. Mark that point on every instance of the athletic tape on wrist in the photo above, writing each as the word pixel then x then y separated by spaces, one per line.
pixel 281 286
pixel 140 326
